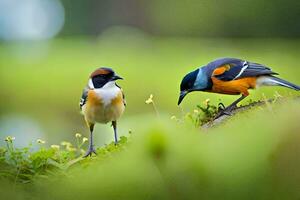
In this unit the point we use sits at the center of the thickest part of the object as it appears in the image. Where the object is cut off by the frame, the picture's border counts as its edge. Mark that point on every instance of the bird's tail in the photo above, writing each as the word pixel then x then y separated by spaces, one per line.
pixel 275 81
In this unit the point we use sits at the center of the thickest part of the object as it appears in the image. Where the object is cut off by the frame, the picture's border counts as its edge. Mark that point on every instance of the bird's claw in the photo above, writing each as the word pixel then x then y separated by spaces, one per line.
pixel 221 107
pixel 227 113
pixel 224 111
pixel 90 152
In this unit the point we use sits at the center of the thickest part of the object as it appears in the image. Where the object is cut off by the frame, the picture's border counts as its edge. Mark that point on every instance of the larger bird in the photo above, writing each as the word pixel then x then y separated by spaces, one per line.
pixel 102 101
pixel 231 76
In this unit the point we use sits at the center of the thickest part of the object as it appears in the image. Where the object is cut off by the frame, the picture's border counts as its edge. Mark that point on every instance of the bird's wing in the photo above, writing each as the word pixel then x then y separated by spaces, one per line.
pixel 83 97
pixel 124 100
pixel 229 69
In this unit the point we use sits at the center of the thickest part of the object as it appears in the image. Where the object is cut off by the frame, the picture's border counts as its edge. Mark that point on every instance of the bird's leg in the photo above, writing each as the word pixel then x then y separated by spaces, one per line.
pixel 228 109
pixel 91 149
pixel 114 124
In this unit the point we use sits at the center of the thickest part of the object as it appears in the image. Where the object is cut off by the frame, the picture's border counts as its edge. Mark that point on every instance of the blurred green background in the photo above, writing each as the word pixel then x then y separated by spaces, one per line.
pixel 40 94
pixel 48 48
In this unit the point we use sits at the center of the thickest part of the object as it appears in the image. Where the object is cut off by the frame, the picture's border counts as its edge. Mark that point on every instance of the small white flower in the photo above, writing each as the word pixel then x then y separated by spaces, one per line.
pixel 54 146
pixel 78 135
pixel 39 141
pixel 84 139
pixel 9 139
pixel 70 148
pixel 173 117
pixel 64 143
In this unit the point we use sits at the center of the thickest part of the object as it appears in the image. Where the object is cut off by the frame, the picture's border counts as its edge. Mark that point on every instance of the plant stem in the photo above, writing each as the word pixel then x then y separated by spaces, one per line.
pixel 155 109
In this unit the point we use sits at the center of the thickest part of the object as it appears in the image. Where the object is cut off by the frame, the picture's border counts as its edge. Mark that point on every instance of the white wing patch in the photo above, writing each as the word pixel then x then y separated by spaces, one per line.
pixel 245 65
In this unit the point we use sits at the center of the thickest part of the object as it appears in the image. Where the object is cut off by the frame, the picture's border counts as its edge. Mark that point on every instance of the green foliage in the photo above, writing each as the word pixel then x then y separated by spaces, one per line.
pixel 24 165
pixel 201 115
pixel 254 151
pixel 204 114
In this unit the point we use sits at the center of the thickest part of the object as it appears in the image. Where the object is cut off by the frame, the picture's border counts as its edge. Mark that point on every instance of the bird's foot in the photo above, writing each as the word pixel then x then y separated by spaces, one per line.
pixel 224 111
pixel 90 151
pixel 221 107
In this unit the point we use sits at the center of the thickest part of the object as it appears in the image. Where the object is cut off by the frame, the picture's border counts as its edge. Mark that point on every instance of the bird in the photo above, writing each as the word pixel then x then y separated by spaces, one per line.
pixel 102 101
pixel 231 76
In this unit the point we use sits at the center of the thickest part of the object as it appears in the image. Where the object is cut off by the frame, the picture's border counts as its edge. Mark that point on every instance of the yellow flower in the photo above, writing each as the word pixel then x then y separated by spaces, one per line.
pixel 54 146
pixel 84 139
pixel 64 143
pixel 40 141
pixel 150 99
pixel 78 135
pixel 196 111
pixel 207 101
pixel 9 139
pixel 173 117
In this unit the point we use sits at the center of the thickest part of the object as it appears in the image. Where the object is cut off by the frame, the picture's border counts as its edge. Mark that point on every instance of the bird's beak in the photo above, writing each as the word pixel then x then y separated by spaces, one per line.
pixel 116 77
pixel 181 96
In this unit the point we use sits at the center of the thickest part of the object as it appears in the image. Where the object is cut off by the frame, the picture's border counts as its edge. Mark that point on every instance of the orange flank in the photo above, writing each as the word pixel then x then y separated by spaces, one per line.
pixel 234 87
pixel 118 100
pixel 93 99
pixel 220 70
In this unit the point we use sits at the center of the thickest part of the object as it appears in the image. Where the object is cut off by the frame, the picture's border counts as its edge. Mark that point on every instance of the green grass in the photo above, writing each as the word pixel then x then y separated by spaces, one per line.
pixel 255 151
pixel 26 165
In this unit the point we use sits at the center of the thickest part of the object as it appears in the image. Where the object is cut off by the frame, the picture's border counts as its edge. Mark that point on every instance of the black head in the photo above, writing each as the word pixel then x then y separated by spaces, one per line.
pixel 187 84
pixel 103 75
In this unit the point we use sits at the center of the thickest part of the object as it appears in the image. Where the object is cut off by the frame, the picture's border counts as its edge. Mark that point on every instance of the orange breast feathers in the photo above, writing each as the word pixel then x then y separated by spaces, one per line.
pixel 97 100
pixel 93 99
pixel 105 107
pixel 234 87
pixel 118 100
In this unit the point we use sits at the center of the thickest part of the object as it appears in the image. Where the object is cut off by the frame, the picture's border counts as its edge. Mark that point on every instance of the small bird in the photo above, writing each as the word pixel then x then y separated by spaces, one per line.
pixel 230 76
pixel 102 101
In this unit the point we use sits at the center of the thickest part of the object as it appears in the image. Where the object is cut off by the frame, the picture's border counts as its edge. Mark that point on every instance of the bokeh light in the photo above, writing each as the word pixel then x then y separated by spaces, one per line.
pixel 30 19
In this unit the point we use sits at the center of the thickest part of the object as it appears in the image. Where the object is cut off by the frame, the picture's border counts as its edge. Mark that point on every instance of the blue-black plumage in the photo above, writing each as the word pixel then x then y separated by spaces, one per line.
pixel 230 76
